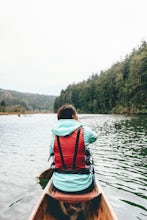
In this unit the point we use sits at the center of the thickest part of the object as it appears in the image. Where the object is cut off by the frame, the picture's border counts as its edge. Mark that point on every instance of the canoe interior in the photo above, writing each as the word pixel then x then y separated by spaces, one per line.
pixel 49 208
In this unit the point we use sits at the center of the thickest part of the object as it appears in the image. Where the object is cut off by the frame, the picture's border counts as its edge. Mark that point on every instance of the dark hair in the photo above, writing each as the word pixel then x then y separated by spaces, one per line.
pixel 66 112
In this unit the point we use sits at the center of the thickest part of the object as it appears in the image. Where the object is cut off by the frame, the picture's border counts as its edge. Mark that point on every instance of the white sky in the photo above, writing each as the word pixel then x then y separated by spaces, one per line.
pixel 45 45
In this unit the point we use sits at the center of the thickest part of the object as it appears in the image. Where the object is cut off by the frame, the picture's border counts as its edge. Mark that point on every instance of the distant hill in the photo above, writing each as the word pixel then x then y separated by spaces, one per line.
pixel 120 89
pixel 13 101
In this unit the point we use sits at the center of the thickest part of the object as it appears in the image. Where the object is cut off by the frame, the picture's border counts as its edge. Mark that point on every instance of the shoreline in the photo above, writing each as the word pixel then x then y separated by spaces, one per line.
pixel 31 113
pixel 24 113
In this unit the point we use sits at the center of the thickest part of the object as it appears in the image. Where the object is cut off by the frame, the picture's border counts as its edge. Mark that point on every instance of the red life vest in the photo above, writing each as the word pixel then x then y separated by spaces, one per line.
pixel 70 154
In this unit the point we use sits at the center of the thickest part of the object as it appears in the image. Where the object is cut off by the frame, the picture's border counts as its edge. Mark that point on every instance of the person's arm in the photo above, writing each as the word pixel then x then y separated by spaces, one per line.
pixel 89 135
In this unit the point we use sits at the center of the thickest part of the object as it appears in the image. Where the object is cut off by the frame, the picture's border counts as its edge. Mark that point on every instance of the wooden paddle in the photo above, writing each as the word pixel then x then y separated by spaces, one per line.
pixel 46 174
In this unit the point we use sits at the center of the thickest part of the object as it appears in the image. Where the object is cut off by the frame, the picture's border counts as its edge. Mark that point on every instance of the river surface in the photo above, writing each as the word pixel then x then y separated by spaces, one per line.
pixel 120 160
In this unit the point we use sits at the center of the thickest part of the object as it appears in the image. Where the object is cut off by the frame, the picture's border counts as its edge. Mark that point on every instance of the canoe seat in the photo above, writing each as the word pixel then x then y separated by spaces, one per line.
pixel 73 198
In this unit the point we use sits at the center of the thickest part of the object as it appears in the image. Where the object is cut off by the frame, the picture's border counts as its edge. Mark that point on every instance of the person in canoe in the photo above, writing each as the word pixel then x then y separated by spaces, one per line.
pixel 69 151
pixel 72 192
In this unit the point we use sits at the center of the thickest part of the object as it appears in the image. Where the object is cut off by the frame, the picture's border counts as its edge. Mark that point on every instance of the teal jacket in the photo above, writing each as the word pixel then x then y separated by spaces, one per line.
pixel 71 182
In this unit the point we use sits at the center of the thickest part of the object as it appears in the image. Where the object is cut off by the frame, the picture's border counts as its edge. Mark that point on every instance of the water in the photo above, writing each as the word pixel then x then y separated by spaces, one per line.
pixel 120 160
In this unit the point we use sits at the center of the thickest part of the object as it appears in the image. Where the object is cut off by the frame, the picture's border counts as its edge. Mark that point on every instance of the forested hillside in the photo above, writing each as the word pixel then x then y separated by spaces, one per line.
pixel 120 89
pixel 12 101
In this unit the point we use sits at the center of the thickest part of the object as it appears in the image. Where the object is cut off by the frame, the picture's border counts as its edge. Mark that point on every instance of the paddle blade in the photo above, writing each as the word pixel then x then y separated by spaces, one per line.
pixel 47 174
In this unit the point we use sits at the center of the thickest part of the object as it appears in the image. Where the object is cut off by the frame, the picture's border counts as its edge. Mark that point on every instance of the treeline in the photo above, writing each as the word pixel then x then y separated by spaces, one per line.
pixel 120 89
pixel 13 101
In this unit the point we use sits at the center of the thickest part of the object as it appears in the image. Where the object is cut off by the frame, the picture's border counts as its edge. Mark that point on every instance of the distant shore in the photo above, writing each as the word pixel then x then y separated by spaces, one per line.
pixel 45 112
pixel 23 113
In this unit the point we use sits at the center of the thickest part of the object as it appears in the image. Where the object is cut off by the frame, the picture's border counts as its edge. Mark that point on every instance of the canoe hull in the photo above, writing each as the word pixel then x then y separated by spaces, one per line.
pixel 50 208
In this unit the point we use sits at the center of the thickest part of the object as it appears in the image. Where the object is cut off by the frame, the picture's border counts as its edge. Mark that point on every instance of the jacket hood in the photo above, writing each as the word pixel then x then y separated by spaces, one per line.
pixel 65 127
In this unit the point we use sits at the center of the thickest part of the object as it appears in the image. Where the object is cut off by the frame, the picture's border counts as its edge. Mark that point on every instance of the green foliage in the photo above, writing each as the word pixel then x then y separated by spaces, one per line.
pixel 12 101
pixel 120 89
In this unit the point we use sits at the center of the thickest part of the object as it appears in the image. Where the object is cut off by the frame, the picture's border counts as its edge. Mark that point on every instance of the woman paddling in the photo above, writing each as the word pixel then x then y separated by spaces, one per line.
pixel 73 171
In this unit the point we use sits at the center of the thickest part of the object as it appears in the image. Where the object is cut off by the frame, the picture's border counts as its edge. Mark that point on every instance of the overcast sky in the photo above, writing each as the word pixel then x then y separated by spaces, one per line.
pixel 45 45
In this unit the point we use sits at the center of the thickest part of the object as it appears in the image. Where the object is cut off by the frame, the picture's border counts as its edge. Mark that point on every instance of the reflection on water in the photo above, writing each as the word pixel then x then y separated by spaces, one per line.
pixel 119 154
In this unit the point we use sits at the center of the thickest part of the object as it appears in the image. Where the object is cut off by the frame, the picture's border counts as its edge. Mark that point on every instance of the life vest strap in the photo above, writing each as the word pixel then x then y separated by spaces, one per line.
pixel 76 149
pixel 61 154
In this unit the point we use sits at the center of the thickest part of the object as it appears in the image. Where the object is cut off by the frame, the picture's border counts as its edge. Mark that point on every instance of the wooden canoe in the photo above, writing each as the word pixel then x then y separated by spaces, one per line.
pixel 54 205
